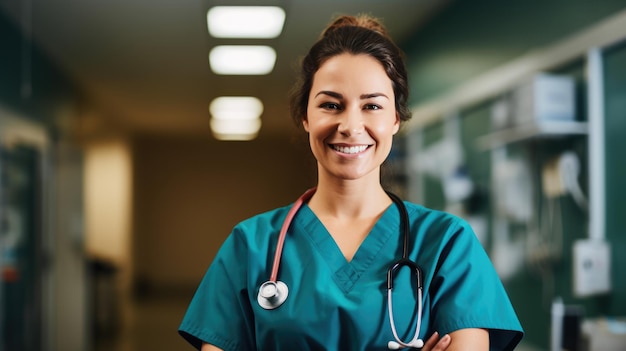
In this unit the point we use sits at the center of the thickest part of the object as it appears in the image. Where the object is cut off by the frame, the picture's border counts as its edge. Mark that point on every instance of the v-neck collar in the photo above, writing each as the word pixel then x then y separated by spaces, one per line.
pixel 345 273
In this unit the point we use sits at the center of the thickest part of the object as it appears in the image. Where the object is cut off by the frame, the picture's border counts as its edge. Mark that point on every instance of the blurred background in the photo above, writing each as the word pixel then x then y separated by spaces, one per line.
pixel 119 179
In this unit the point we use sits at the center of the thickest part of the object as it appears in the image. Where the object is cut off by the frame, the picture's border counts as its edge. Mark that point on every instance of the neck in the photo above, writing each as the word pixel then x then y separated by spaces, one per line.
pixel 349 198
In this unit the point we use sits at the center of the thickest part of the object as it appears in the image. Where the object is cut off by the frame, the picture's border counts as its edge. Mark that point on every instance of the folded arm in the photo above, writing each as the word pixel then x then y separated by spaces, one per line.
pixel 464 339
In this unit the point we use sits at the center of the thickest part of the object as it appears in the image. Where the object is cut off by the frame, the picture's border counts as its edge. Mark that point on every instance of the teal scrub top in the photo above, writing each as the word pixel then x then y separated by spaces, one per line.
pixel 334 304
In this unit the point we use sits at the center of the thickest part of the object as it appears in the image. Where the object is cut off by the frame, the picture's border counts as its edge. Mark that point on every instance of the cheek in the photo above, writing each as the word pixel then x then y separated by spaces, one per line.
pixel 386 130
pixel 319 127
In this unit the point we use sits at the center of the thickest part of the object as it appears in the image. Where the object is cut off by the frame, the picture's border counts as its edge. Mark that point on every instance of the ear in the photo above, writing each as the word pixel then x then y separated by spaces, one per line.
pixel 305 124
pixel 396 125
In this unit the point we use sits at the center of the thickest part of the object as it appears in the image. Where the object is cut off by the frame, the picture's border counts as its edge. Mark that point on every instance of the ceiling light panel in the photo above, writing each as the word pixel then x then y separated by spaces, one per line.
pixel 236 107
pixel 235 129
pixel 236 117
pixel 245 21
pixel 242 59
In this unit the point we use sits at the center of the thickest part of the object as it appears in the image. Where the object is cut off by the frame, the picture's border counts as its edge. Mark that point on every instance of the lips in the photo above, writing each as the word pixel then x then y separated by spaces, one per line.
pixel 350 150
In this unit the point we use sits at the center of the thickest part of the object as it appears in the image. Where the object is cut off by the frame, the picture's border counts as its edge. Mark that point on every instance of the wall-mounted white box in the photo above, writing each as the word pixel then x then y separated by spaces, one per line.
pixel 592 267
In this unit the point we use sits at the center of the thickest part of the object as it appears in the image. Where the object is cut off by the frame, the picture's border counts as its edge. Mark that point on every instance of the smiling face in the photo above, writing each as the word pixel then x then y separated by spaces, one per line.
pixel 351 117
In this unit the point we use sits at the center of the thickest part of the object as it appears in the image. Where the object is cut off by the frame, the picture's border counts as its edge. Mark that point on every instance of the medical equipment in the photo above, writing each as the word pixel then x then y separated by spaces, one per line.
pixel 273 292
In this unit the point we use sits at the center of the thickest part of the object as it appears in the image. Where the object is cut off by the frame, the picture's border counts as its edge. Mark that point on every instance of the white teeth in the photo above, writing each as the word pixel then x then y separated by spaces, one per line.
pixel 350 149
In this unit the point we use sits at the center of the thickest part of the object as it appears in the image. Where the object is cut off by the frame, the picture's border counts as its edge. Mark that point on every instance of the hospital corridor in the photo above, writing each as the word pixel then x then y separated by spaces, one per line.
pixel 136 136
pixel 152 327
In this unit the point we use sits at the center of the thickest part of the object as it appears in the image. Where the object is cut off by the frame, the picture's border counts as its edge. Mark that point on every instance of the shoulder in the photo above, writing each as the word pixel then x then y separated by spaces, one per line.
pixel 258 228
pixel 252 237
pixel 441 233
pixel 270 218
pixel 435 219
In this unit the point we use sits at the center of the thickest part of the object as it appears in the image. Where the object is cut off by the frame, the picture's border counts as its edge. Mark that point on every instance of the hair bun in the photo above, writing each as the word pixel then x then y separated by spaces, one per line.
pixel 362 20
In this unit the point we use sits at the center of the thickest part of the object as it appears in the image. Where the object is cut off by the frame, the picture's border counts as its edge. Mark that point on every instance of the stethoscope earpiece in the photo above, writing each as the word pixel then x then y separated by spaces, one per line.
pixel 393 345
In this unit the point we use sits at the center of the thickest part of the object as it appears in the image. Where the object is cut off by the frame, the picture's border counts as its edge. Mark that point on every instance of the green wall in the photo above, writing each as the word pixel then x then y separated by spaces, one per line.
pixel 470 38
pixel 22 61
pixel 615 126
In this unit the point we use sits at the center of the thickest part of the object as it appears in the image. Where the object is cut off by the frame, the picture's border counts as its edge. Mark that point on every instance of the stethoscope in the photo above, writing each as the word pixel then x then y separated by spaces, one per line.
pixel 274 292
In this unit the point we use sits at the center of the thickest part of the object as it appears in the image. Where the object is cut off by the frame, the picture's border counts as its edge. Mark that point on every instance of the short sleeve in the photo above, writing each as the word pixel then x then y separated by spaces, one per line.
pixel 220 312
pixel 467 292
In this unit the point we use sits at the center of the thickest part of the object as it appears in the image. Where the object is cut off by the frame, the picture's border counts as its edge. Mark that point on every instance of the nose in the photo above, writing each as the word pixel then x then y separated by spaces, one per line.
pixel 351 122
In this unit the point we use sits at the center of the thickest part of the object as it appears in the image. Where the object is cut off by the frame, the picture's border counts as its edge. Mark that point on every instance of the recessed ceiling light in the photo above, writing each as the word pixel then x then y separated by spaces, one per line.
pixel 235 129
pixel 245 21
pixel 242 59
pixel 236 107
pixel 236 117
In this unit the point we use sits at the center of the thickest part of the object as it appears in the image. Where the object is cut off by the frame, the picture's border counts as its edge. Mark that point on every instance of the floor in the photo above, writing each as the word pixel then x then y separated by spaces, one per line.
pixel 152 325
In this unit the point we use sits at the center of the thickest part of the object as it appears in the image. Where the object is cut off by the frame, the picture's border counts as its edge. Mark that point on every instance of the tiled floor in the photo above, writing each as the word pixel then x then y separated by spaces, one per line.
pixel 153 326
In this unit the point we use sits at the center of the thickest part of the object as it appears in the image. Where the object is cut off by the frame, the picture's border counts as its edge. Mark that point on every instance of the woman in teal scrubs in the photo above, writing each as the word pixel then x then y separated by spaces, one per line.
pixel 351 100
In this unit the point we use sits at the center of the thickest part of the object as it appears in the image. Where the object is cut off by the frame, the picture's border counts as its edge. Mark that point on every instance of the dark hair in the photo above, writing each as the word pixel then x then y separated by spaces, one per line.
pixel 361 34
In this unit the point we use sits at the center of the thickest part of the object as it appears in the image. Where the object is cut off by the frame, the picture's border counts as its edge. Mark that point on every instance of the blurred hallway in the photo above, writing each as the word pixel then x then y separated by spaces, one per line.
pixel 107 156
pixel 153 325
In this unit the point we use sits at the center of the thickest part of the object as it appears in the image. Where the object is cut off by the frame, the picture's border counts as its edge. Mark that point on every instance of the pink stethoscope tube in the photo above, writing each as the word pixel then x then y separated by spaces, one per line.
pixel 283 231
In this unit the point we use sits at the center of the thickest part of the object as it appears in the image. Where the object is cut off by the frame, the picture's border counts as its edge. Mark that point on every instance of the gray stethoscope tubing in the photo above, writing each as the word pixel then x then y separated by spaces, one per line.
pixel 404 261
pixel 274 292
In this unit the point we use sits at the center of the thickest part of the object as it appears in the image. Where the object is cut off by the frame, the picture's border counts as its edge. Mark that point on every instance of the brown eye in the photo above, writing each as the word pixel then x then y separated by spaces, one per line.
pixel 372 107
pixel 330 106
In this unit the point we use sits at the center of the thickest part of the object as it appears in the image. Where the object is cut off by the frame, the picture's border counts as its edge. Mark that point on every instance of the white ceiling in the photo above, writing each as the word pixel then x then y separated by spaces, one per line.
pixel 145 63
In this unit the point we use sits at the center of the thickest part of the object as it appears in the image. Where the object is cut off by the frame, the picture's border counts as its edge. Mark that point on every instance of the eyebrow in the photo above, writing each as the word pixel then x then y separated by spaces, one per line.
pixel 373 95
pixel 339 96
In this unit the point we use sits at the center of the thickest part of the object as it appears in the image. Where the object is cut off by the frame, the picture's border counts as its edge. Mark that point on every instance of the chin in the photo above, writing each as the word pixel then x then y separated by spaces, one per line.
pixel 350 175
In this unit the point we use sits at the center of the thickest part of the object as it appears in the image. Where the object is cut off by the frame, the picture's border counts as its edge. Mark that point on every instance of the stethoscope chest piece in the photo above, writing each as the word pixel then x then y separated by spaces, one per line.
pixel 272 294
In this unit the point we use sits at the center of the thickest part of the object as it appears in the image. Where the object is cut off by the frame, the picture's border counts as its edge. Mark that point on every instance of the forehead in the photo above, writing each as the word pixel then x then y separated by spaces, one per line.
pixel 348 73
